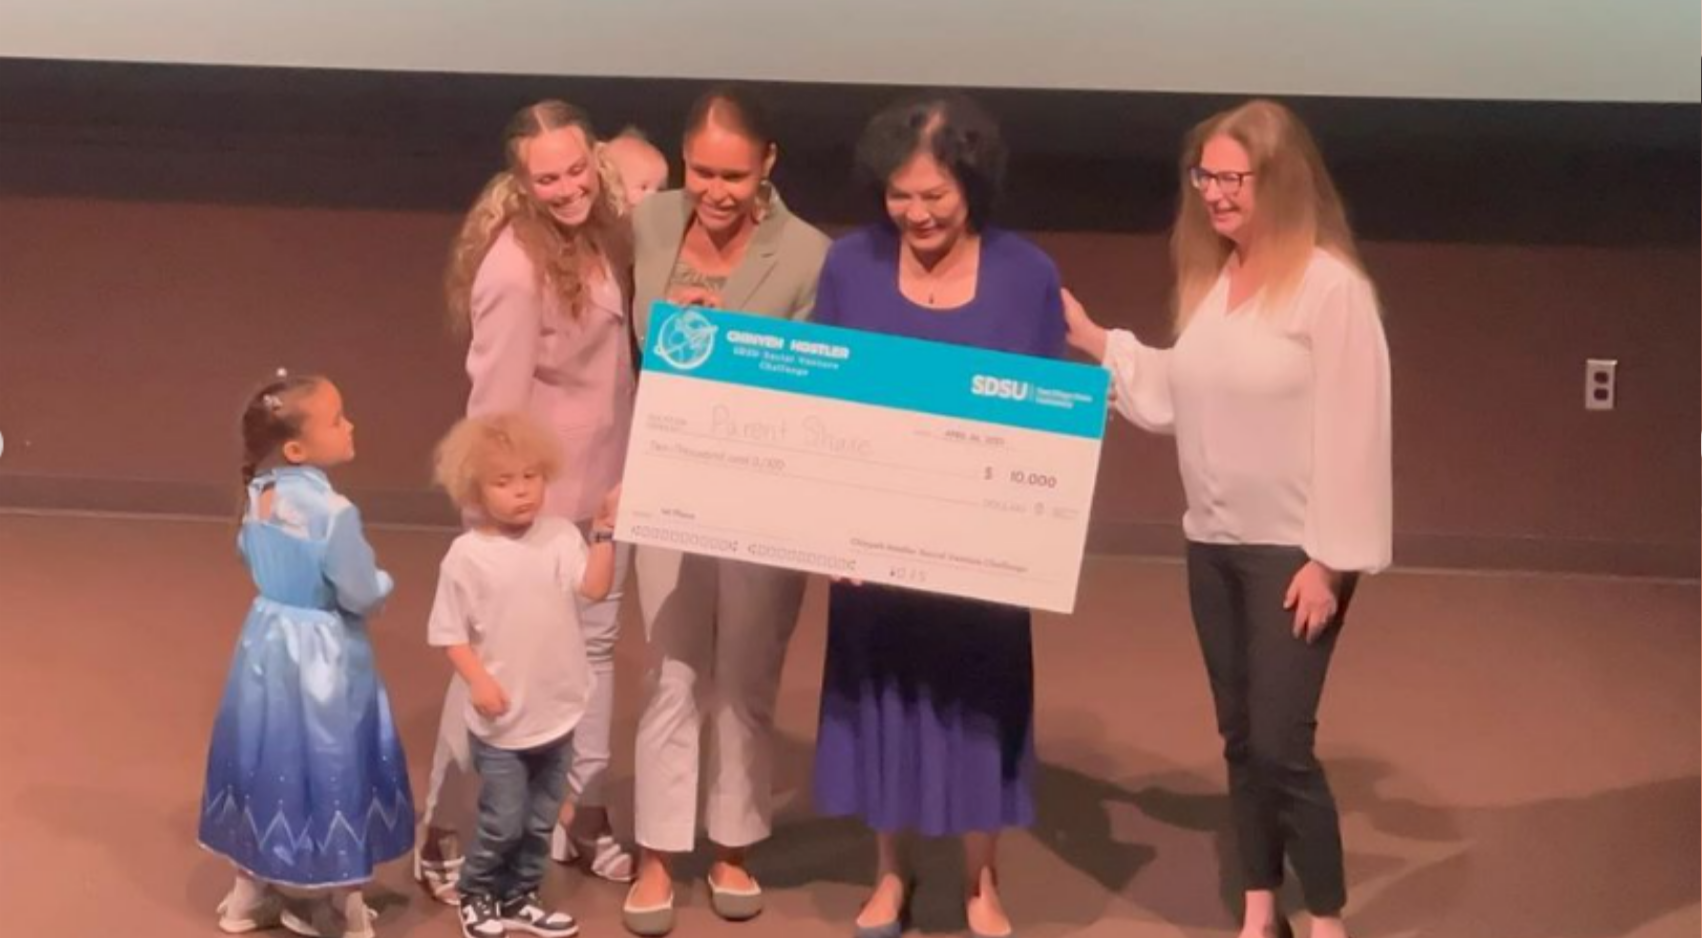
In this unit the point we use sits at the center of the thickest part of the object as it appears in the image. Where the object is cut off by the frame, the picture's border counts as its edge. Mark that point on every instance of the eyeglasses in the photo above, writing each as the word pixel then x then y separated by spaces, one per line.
pixel 1228 181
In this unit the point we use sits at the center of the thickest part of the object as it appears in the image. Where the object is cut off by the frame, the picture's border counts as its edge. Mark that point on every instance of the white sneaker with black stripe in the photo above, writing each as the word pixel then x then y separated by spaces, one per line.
pixel 526 913
pixel 480 917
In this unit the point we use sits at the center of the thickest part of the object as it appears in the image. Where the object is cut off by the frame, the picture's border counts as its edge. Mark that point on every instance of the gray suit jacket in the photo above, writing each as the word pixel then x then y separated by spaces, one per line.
pixel 777 276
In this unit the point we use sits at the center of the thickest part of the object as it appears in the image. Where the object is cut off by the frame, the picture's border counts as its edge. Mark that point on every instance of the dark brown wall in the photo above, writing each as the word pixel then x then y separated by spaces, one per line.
pixel 170 236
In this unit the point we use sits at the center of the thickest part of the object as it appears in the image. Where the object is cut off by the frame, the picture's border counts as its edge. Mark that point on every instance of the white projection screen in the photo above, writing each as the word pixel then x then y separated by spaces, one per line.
pixel 1554 50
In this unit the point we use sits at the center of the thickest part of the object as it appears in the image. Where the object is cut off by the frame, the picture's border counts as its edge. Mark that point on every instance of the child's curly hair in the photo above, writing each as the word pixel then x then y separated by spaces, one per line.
pixel 466 452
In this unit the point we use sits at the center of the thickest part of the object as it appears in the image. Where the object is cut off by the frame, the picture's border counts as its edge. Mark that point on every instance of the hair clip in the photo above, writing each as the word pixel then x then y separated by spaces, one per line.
pixel 273 402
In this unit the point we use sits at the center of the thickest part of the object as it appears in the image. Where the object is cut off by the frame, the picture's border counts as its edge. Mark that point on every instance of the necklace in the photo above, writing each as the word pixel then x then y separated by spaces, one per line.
pixel 961 258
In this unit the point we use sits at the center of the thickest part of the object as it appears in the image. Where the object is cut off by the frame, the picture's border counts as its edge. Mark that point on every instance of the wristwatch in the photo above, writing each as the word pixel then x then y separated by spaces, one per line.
pixel 602 537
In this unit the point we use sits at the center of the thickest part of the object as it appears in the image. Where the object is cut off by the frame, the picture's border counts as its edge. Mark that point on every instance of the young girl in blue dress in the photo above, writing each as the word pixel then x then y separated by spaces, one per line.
pixel 306 782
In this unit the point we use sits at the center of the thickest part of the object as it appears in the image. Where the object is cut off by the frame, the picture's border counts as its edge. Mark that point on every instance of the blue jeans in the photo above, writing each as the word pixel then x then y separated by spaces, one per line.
pixel 520 794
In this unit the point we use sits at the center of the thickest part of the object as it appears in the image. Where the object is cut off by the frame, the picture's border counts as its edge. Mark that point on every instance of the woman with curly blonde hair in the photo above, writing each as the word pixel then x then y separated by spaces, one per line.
pixel 538 278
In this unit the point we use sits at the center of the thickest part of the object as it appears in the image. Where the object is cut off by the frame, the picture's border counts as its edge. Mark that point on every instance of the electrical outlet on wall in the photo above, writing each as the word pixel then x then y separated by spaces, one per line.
pixel 1601 383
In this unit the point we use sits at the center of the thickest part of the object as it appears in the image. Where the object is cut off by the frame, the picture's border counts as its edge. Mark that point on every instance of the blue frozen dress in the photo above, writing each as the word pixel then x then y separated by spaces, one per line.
pixel 306 781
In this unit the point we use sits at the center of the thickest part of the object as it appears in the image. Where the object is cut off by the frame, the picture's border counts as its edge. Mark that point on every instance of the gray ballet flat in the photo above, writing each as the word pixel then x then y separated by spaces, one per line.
pixel 735 905
pixel 650 922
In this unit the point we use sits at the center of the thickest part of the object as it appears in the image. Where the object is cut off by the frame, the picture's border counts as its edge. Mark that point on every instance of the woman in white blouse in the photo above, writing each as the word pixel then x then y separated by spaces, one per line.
pixel 1277 391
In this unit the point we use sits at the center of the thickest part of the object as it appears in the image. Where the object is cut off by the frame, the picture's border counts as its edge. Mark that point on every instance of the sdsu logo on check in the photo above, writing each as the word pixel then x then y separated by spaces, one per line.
pixel 1007 388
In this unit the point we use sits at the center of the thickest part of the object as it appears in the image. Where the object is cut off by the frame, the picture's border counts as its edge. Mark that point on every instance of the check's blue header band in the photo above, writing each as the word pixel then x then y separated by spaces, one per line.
pixel 874 368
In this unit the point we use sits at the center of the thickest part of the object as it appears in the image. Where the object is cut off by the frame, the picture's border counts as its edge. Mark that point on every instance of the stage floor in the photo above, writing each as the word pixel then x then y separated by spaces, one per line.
pixel 1515 756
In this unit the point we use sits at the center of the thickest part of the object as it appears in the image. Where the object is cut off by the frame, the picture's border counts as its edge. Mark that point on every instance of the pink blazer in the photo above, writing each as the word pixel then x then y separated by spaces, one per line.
pixel 575 376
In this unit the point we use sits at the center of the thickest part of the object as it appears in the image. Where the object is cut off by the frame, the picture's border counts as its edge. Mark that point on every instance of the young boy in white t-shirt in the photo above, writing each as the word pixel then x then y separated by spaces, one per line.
pixel 506 613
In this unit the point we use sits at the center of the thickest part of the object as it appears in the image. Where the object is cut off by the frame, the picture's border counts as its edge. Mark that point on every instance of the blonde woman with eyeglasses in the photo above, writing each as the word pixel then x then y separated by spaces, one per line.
pixel 1277 391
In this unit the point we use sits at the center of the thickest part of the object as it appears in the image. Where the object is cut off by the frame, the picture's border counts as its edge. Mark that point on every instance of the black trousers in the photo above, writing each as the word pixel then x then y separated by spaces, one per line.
pixel 1266 684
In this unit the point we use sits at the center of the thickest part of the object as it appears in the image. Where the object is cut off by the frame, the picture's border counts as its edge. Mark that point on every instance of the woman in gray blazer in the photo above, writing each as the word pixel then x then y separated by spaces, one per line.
pixel 717 629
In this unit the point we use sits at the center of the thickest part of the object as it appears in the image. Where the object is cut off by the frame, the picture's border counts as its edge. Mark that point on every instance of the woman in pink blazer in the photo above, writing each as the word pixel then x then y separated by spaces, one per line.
pixel 538 276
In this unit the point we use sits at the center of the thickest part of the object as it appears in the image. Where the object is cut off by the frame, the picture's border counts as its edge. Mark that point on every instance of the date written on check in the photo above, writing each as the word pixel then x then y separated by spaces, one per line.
pixel 864 456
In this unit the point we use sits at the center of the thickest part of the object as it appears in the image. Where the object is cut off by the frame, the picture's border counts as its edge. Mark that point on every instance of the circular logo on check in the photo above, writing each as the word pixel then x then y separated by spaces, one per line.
pixel 686 340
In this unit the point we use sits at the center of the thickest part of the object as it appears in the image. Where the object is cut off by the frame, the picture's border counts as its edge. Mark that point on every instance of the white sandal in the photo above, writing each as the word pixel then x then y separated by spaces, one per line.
pixel 441 878
pixel 260 915
pixel 324 920
pixel 607 859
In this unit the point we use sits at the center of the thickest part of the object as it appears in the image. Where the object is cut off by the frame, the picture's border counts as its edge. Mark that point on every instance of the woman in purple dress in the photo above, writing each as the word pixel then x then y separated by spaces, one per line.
pixel 927 715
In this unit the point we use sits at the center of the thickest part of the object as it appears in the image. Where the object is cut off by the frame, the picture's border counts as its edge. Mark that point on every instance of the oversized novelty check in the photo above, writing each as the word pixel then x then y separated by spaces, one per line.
pixel 864 456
